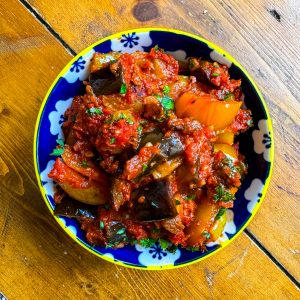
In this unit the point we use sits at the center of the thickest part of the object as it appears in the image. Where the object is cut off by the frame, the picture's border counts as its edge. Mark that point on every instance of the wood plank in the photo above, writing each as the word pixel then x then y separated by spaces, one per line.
pixel 251 32
pixel 37 259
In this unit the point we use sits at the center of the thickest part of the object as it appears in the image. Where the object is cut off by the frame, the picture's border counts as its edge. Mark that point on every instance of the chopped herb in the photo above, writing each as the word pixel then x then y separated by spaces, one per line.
pixel 192 248
pixel 155 230
pixel 163 244
pixel 94 111
pixel 101 225
pixel 112 140
pixel 177 202
pixel 229 96
pixel 140 129
pixel 84 164
pixel 172 249
pixel 156 48
pixel 58 151
pixel 145 167
pixel 148 242
pixel 215 74
pixel 121 231
pixel 222 194
pixel 125 116
pixel 123 89
pixel 166 102
pixel 166 90
pixel 220 213
pixel 191 64
pixel 107 206
pixel 190 197
pixel 250 122
pixel 206 234
pixel 60 142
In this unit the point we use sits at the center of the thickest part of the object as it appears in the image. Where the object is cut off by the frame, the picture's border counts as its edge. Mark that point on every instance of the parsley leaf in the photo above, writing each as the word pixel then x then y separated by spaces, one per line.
pixel 101 224
pixel 222 194
pixel 166 89
pixel 123 89
pixel 220 213
pixel 145 167
pixel 177 202
pixel 215 74
pixel 140 129
pixel 163 244
pixel 206 234
pixel 190 197
pixel 147 243
pixel 121 231
pixel 58 151
pixel 155 230
pixel 166 102
pixel 94 111
pixel 112 140
pixel 84 164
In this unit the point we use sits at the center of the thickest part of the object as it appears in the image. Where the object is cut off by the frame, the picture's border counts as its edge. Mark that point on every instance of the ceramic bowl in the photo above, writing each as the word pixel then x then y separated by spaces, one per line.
pixel 256 144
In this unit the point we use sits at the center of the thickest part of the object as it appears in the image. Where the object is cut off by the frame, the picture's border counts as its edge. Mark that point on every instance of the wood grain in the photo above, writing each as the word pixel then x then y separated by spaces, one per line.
pixel 268 48
pixel 37 259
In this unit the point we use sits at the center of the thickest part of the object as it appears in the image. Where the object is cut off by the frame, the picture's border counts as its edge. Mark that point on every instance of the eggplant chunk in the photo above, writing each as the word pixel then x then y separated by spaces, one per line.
pixel 120 192
pixel 92 195
pixel 167 168
pixel 171 146
pixel 116 234
pixel 154 201
pixel 104 82
pixel 152 137
pixel 74 209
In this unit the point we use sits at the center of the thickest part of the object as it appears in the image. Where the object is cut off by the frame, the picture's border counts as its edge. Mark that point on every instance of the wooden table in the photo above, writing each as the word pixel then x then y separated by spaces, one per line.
pixel 37 259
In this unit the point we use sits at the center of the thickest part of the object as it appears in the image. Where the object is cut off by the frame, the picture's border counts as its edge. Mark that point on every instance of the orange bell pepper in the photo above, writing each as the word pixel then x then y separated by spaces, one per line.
pixel 207 109
pixel 227 149
pixel 225 138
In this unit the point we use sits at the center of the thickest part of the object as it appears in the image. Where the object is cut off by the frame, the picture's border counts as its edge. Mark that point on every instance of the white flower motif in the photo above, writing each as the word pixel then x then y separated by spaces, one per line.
pixel 47 183
pixel 216 56
pixel 72 229
pixel 230 228
pixel 262 139
pixel 56 117
pixel 178 54
pixel 80 68
pixel 109 255
pixel 131 42
pixel 254 193
pixel 156 256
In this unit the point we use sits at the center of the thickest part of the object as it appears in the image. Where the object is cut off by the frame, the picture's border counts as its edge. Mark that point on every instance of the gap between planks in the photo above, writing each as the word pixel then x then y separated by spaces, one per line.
pixel 71 51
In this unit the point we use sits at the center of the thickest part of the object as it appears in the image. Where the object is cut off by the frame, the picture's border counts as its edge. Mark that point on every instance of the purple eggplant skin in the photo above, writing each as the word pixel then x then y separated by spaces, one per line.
pixel 171 146
pixel 75 209
pixel 154 202
pixel 104 82
pixel 116 233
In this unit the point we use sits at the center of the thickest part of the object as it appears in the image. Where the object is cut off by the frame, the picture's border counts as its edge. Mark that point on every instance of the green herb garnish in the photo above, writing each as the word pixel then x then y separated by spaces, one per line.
pixel 58 151
pixel 215 74
pixel 229 96
pixel 206 234
pixel 222 194
pixel 84 164
pixel 190 197
pixel 166 102
pixel 166 90
pixel 112 140
pixel 101 224
pixel 94 111
pixel 148 242
pixel 121 231
pixel 192 248
pixel 140 129
pixel 220 213
pixel 163 244
pixel 107 206
pixel 123 89
pixel 177 202
pixel 145 167
pixel 155 230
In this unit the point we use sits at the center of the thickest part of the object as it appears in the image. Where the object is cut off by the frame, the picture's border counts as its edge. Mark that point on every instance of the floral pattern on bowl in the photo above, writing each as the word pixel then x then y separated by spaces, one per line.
pixel 256 144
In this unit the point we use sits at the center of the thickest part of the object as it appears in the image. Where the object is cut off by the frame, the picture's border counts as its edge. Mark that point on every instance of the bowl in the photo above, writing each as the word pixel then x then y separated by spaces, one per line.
pixel 256 144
